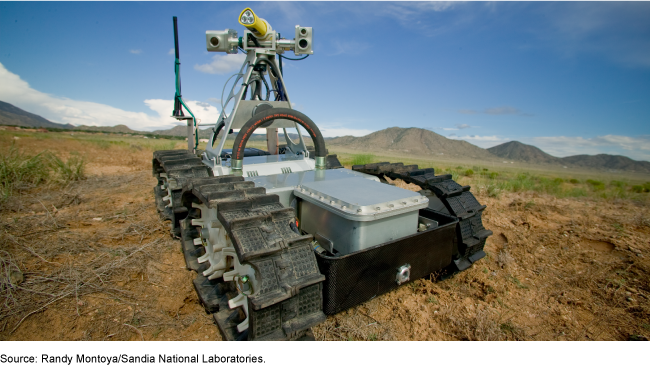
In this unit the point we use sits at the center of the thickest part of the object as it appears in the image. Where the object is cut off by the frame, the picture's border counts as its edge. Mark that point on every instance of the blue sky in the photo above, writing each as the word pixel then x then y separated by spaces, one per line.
pixel 570 78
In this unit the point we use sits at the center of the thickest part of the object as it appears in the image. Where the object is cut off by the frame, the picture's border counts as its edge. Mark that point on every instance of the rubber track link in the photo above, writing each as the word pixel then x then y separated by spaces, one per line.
pixel 471 235
pixel 178 165
pixel 289 299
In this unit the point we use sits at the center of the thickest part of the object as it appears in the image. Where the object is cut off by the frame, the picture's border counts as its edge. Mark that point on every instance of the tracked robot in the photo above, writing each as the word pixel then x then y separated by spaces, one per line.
pixel 282 238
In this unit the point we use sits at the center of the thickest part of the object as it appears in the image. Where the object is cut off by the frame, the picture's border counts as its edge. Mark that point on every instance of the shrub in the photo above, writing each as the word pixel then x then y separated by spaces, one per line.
pixel 558 180
pixel 362 159
pixel 618 184
pixel 469 172
pixel 493 191
pixel 20 171
pixel 66 171
pixel 637 189
pixel 574 181
pixel 596 184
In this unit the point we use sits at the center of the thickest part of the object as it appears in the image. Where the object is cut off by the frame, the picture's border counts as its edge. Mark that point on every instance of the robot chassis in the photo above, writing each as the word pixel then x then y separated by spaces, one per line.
pixel 278 241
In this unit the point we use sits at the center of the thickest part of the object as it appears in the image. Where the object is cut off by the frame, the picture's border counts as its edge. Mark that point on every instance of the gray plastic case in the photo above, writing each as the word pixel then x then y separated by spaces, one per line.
pixel 352 214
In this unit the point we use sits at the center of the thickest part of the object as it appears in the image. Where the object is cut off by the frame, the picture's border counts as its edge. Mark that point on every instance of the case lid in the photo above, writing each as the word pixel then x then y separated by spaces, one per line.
pixel 360 199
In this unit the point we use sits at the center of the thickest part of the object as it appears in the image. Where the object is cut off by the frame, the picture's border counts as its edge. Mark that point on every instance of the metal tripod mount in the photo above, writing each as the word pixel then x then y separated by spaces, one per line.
pixel 261 53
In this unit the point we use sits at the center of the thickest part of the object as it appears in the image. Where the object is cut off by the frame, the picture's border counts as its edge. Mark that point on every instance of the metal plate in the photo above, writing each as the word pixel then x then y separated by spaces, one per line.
pixel 360 199
pixel 245 113
pixel 284 184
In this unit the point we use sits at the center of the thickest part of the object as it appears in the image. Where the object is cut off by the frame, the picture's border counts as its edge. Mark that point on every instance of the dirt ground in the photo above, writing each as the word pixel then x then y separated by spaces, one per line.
pixel 93 261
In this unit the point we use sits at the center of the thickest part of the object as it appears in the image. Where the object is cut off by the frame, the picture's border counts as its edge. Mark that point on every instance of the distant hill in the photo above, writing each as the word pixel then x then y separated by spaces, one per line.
pixel 518 151
pixel 12 115
pixel 609 162
pixel 120 128
pixel 181 131
pixel 523 152
pixel 416 141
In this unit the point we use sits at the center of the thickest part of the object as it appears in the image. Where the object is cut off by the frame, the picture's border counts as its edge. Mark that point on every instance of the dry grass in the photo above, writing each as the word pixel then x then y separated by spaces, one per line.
pixel 89 257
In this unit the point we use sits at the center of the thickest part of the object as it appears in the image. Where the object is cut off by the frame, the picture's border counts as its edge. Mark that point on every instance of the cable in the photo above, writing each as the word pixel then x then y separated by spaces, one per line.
pixel 274 71
pixel 293 59
pixel 254 40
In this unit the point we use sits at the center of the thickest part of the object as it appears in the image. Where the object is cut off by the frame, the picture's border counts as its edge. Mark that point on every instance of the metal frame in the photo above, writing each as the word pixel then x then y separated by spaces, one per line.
pixel 212 155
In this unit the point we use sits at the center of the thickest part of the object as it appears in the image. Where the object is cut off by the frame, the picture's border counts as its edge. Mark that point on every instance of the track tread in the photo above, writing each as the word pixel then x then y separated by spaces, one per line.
pixel 289 300
pixel 179 165
pixel 459 201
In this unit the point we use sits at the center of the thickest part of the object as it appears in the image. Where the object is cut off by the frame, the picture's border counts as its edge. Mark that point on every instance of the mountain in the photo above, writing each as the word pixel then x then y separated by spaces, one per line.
pixel 518 151
pixel 120 128
pixel 609 162
pixel 416 141
pixel 11 115
pixel 181 131
pixel 522 152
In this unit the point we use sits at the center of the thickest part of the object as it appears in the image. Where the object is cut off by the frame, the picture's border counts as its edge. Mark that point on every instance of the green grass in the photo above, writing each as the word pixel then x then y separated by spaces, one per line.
pixel 495 179
pixel 19 171
pixel 359 159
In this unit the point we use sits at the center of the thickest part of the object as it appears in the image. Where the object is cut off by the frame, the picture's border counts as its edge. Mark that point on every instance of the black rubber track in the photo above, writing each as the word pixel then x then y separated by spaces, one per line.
pixel 289 301
pixel 179 165
pixel 458 201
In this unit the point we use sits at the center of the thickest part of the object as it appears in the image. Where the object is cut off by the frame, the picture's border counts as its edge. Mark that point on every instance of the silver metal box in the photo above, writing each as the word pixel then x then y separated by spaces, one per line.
pixel 348 215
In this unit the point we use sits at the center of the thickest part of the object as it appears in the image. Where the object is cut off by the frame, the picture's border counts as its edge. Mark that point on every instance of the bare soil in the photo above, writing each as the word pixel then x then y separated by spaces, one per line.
pixel 93 261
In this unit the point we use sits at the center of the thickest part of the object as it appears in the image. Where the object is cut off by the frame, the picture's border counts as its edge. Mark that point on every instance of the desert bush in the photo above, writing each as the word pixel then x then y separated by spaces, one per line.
pixel 618 184
pixel 362 159
pixel 596 185
pixel 574 181
pixel 637 189
pixel 558 180
pixel 493 191
pixel 66 171
pixel 468 172
pixel 19 171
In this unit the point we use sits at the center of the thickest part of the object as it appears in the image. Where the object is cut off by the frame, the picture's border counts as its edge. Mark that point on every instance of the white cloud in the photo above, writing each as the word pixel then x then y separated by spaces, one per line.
pixel 481 141
pixel 58 109
pixel 637 148
pixel 136 51
pixel 204 112
pixel 458 127
pixel 171 52
pixel 222 64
